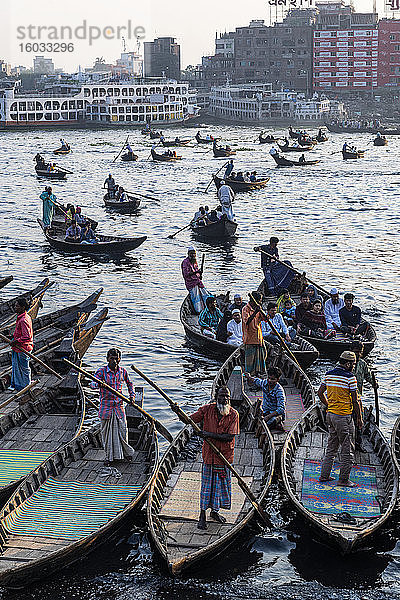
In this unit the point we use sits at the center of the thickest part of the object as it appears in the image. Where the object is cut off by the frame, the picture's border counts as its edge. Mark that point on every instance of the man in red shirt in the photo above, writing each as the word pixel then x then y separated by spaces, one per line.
pixel 22 340
pixel 220 424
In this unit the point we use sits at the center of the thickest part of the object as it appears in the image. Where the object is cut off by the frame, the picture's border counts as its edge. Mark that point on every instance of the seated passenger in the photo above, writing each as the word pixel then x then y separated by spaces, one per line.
pixel 331 309
pixel 222 332
pixel 237 303
pixel 302 308
pixel 239 176
pixel 350 318
pixel 87 235
pixel 282 299
pixel 213 217
pixel 70 213
pixel 288 313
pixel 79 217
pixel 219 212
pixel 247 177
pixel 73 233
pixel 253 176
pixel 279 324
pixel 314 323
pixel 302 159
pixel 210 317
pixel 274 398
pixel 234 328
pixel 122 194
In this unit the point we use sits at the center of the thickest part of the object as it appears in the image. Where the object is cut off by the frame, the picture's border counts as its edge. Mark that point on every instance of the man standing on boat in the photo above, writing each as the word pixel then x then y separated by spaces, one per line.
pixel 192 275
pixel 220 425
pixel 228 169
pixel 254 348
pixel 114 428
pixel 110 185
pixel 22 340
pixel 277 276
pixel 226 197
pixel 340 387
pixel 48 199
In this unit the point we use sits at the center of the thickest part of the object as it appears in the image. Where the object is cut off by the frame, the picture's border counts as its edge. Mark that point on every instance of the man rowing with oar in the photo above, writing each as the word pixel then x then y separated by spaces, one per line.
pixel 22 340
pixel 220 422
pixel 114 428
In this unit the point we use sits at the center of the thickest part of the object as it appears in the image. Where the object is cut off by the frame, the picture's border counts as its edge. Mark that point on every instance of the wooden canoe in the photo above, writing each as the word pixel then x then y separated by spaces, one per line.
pixel 129 157
pixel 50 174
pixel 62 342
pixel 58 320
pixel 128 206
pixel 173 522
pixel 174 143
pixel 62 151
pixel 201 140
pixel 322 138
pixel 74 477
pixel 380 141
pixel 353 155
pixel 395 444
pixel 222 152
pixel 5 280
pixel 295 148
pixel 107 244
pixel 303 350
pixel 374 473
pixel 268 139
pixel 219 230
pixel 332 347
pixel 34 297
pixel 300 395
pixel 241 186
pixel 281 161
pixel 294 134
pixel 164 157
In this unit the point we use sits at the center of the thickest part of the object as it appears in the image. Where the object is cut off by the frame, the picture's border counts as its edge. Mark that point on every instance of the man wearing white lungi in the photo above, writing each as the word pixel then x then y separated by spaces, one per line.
pixel 114 429
pixel 226 196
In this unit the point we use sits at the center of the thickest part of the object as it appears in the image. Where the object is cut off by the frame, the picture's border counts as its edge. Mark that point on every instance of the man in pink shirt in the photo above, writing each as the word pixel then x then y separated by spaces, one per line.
pixel 192 275
pixel 22 340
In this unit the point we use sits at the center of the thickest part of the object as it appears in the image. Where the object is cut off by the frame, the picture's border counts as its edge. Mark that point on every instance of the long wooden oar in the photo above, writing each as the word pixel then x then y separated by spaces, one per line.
pixel 65 170
pixel 119 153
pixel 19 394
pixel 58 206
pixel 159 426
pixel 144 196
pixel 172 235
pixel 188 421
pixel 295 271
pixel 32 356
pixel 212 178
pixel 375 385
pixel 276 332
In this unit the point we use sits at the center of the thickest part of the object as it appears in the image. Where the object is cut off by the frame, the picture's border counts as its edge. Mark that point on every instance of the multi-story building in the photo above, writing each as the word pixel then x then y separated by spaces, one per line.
pixel 130 63
pixel 159 101
pixel 162 58
pixel 389 53
pixel 42 65
pixel 345 48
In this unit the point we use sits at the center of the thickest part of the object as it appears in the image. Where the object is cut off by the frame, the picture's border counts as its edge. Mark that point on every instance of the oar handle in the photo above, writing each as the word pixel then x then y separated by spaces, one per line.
pixel 188 421
pixel 32 356
pixel 292 269
pixel 159 426
pixel 172 235
pixel 20 393
pixel 376 395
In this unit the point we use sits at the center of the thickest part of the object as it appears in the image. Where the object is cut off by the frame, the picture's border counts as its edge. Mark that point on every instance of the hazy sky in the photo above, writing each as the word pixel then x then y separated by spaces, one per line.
pixel 193 24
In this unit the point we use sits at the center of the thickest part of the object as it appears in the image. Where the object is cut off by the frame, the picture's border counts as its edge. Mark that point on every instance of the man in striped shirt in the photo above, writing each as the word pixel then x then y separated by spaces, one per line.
pixel 114 429
pixel 340 386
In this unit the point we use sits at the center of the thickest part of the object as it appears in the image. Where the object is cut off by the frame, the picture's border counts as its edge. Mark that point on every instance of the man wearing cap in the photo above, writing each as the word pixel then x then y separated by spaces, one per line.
pixel 340 386
pixel 226 197
pixel 331 310
pixel 234 328
pixel 254 349
pixel 193 280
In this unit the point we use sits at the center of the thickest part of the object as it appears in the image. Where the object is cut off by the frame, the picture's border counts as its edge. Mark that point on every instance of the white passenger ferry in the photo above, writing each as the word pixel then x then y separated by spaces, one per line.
pixel 159 101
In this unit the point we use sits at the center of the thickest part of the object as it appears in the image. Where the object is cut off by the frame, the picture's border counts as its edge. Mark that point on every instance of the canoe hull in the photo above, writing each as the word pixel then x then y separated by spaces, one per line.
pixel 219 230
pixel 241 186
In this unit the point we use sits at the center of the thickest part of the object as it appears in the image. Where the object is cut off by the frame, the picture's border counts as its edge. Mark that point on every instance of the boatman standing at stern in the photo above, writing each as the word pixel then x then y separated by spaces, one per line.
pixel 228 169
pixel 110 185
pixel 114 428
pixel 22 340
pixel 226 197
pixel 220 424
pixel 340 386
pixel 192 275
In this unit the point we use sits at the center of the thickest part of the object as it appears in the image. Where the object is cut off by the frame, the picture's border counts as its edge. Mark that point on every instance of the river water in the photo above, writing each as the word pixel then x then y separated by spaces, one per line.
pixel 338 220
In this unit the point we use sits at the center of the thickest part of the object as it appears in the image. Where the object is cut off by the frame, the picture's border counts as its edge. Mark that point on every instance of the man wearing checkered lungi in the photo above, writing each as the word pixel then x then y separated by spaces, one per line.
pixel 220 424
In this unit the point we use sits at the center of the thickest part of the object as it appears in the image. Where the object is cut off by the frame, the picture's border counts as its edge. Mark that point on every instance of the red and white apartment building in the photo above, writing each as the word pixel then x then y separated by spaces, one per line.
pixel 345 48
pixel 389 53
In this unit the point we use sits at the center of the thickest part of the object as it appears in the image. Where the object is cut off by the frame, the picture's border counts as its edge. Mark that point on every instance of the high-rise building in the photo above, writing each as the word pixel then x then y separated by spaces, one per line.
pixel 345 48
pixel 162 58
pixel 389 53
pixel 43 66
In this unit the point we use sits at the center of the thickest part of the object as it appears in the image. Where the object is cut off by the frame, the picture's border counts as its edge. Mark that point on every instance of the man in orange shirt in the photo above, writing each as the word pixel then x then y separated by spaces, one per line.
pixel 254 350
pixel 22 340
pixel 220 424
